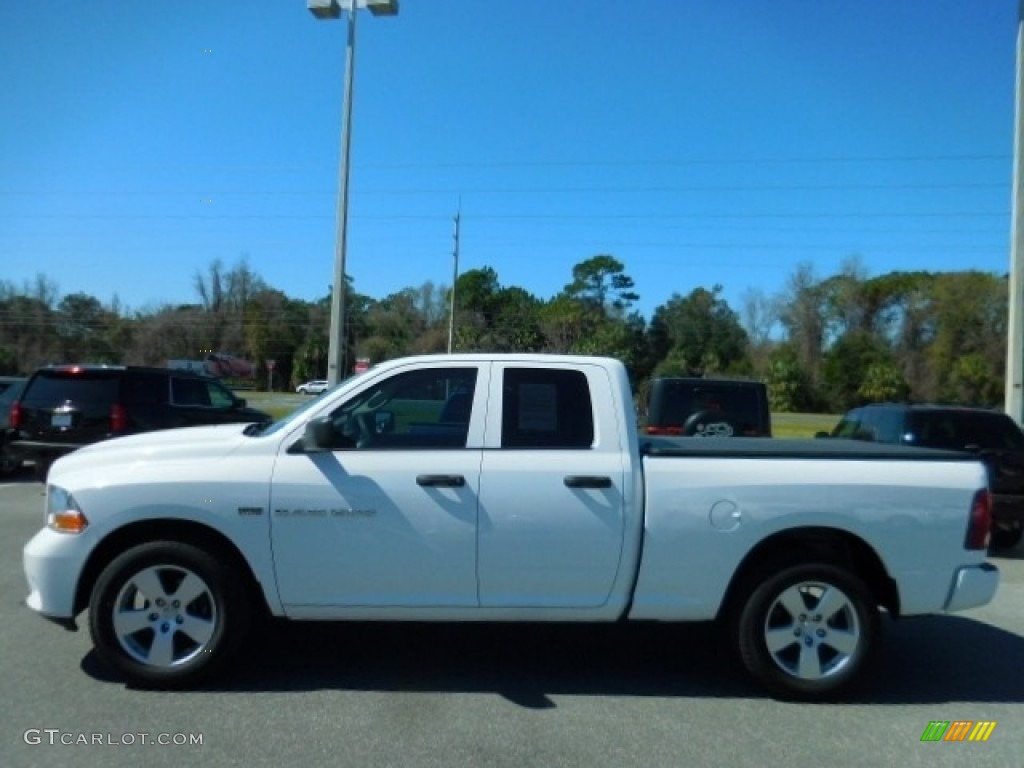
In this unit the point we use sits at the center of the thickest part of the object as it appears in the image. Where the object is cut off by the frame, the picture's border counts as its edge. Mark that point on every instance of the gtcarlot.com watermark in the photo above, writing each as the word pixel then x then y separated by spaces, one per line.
pixel 56 737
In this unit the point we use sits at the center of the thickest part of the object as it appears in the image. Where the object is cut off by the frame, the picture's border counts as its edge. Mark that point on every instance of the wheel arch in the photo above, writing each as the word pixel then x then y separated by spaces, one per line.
pixel 813 544
pixel 182 531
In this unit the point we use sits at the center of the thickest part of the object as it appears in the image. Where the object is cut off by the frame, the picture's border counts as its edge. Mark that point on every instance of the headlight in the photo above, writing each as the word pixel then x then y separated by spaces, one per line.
pixel 62 512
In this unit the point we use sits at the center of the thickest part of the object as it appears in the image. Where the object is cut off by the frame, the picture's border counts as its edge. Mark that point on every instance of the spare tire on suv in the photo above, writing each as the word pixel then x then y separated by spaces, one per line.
pixel 64 407
pixel 692 407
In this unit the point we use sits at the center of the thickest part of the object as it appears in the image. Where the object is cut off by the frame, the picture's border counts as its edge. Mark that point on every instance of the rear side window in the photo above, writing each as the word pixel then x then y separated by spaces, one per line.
pixel 140 388
pixel 89 388
pixel 546 408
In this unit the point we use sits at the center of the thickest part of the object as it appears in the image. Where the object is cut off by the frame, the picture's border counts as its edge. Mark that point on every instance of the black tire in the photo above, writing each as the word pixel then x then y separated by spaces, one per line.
pixel 8 465
pixel 794 650
pixel 1006 538
pixel 42 469
pixel 167 638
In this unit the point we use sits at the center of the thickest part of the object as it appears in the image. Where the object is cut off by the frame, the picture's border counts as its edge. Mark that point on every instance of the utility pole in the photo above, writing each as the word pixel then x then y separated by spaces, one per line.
pixel 1015 332
pixel 455 279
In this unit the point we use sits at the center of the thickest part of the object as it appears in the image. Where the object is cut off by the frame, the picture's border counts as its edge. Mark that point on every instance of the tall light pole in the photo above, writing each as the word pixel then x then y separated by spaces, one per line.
pixel 326 10
pixel 1015 322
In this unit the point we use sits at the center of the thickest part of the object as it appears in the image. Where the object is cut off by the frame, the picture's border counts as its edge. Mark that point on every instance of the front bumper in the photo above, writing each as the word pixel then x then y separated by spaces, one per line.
pixel 53 563
pixel 972 586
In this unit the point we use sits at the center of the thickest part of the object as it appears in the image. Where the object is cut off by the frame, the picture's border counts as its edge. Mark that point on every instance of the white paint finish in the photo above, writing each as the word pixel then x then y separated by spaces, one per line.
pixel 52 562
pixel 543 544
pixel 382 539
pixel 203 475
pixel 513 543
pixel 913 514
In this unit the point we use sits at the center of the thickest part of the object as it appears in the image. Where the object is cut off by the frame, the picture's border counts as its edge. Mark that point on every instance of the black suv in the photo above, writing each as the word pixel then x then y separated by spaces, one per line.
pixel 65 407
pixel 993 436
pixel 708 408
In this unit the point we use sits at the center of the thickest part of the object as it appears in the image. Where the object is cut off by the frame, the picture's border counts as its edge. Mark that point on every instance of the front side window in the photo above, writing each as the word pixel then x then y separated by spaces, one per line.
pixel 200 392
pixel 546 408
pixel 220 397
pixel 420 409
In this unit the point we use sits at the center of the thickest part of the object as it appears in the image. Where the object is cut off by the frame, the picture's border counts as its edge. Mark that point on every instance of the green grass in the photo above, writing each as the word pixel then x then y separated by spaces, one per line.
pixel 802 424
pixel 277 404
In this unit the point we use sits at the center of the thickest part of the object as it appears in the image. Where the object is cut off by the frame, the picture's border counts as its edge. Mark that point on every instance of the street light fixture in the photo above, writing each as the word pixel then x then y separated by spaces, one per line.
pixel 327 10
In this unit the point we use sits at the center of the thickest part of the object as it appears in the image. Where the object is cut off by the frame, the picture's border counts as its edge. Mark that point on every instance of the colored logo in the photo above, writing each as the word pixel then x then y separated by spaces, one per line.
pixel 958 730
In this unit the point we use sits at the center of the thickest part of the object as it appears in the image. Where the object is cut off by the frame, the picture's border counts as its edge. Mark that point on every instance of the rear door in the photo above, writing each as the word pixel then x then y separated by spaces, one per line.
pixel 551 489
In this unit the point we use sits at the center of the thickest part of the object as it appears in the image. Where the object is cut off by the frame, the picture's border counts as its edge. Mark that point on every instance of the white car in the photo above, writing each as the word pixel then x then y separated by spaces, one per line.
pixel 314 387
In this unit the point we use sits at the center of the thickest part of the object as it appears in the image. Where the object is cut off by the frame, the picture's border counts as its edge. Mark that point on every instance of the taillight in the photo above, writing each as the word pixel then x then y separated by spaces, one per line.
pixel 979 526
pixel 118 418
pixel 652 430
pixel 14 415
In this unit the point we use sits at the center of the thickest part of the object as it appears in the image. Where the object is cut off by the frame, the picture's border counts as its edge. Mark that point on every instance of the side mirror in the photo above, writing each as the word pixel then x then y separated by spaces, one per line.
pixel 240 402
pixel 319 436
pixel 383 422
pixel 819 435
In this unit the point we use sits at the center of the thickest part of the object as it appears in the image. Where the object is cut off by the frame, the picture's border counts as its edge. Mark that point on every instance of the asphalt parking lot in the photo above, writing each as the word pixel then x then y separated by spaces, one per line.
pixel 458 695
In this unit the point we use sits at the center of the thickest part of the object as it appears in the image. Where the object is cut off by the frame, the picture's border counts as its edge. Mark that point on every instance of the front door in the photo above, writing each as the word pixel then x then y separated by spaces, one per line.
pixel 389 518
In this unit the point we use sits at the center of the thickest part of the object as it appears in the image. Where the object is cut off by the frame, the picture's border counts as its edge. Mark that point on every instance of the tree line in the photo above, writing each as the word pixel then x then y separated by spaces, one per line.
pixel 822 344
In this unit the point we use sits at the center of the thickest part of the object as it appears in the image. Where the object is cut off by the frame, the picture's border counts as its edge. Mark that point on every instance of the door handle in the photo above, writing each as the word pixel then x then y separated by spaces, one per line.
pixel 587 481
pixel 440 481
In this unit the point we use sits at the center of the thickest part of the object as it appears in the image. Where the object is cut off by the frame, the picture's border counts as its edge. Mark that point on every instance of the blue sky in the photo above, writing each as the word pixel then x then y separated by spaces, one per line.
pixel 700 142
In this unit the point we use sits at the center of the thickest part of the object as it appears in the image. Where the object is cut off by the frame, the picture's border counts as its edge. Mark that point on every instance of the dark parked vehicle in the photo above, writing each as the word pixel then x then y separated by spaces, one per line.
pixel 994 436
pixel 708 408
pixel 65 407
pixel 10 388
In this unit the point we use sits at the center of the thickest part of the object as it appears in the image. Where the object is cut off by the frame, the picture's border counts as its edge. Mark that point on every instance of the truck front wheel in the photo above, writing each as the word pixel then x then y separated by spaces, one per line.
pixel 807 631
pixel 167 614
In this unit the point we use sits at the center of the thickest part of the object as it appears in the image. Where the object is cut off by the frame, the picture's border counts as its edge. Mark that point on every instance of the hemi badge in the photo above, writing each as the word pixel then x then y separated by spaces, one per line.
pixel 250 511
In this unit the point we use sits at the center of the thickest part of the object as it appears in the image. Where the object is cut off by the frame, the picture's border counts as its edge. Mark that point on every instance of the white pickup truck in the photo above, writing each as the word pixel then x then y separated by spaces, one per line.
pixel 503 488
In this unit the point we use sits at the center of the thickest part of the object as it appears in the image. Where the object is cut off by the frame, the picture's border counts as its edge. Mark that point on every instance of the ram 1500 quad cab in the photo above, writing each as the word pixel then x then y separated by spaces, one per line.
pixel 503 488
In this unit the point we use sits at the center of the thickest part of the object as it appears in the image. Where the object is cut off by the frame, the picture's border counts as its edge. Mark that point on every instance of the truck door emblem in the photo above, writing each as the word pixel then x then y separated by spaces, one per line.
pixel 320 512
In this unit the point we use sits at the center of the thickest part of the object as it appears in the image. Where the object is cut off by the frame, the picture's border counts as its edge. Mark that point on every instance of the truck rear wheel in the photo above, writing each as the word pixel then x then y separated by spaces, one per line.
pixel 807 631
pixel 167 614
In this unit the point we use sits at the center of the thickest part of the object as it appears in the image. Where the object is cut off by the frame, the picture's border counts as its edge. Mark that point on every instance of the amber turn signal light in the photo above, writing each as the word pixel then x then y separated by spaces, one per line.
pixel 70 521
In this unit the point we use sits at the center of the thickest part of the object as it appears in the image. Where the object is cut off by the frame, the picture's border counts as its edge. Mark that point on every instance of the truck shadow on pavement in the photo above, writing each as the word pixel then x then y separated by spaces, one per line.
pixel 927 660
